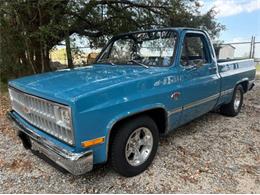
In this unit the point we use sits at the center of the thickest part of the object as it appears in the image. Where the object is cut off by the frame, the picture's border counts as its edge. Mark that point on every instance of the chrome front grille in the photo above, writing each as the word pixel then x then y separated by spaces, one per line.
pixel 41 113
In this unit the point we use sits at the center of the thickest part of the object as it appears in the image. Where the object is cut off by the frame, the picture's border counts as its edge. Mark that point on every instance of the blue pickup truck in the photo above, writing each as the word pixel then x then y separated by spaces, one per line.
pixel 143 85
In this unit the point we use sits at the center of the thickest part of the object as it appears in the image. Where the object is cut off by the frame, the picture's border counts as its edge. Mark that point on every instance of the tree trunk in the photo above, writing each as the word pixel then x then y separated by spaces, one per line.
pixel 68 52
pixel 42 60
pixel 38 58
pixel 47 66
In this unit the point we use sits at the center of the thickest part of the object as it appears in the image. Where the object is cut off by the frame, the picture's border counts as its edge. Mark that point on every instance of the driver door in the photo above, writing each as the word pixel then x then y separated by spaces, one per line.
pixel 200 81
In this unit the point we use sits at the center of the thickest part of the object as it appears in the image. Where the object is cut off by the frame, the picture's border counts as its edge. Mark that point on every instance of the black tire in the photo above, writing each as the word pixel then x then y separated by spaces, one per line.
pixel 118 157
pixel 230 109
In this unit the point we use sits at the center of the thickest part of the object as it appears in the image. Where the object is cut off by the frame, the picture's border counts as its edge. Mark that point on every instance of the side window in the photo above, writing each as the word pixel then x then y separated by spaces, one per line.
pixel 194 51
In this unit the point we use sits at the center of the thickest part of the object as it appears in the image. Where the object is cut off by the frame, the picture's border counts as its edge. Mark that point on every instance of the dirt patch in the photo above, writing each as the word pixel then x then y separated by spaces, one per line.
pixel 19 165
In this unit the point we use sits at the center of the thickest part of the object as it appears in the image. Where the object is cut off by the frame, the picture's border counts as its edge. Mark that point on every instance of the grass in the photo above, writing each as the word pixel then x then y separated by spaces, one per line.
pixel 3 88
pixel 258 67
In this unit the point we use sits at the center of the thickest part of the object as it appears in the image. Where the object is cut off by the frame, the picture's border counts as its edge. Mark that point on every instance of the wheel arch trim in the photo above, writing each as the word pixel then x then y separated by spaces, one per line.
pixel 241 82
pixel 124 116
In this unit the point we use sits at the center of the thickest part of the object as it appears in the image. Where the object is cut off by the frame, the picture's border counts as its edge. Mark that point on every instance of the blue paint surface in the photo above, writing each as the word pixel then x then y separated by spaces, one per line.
pixel 101 95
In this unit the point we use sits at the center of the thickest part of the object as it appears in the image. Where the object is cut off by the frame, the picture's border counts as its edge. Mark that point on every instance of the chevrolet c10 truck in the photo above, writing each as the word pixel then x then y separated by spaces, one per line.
pixel 142 85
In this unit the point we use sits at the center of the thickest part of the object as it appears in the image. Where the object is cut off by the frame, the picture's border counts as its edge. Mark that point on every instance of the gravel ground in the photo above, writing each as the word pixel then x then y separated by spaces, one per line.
pixel 213 154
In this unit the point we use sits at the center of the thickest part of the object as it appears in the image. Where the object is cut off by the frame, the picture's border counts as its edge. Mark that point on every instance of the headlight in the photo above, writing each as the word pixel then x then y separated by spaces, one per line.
pixel 63 117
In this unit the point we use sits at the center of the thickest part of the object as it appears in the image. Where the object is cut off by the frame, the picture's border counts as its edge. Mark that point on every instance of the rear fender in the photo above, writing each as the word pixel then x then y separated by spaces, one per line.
pixel 244 82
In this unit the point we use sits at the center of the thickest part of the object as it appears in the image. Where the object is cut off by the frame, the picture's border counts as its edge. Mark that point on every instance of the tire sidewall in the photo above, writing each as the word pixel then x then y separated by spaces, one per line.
pixel 238 89
pixel 119 160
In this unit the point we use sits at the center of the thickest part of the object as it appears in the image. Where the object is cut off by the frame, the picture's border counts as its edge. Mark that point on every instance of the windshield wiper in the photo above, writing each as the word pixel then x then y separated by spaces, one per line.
pixel 139 63
pixel 105 62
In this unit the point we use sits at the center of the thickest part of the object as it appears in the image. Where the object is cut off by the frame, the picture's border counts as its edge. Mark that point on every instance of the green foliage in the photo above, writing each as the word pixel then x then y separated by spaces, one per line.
pixel 258 67
pixel 31 28
pixel 185 13
pixel 3 88
pixel 28 31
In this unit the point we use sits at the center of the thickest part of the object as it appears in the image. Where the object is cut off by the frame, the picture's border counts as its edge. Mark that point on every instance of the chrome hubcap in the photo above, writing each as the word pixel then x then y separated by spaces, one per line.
pixel 237 100
pixel 139 146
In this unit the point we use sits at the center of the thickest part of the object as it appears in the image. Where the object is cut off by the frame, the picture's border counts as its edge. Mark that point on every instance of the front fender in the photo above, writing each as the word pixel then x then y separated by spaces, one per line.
pixel 133 112
pixel 127 114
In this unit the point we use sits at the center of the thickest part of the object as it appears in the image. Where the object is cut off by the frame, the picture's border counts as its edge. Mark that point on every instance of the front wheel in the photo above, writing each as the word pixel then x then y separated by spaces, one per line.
pixel 134 146
pixel 234 107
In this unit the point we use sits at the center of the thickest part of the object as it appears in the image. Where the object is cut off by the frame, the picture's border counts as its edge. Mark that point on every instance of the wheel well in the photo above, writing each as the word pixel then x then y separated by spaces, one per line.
pixel 244 84
pixel 159 115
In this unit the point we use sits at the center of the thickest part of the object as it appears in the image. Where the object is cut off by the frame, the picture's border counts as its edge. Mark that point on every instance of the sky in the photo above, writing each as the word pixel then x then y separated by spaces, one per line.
pixel 241 18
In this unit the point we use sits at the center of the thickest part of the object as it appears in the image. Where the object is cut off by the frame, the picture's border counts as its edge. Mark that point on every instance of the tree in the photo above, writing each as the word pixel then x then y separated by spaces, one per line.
pixel 34 25
pixel 31 28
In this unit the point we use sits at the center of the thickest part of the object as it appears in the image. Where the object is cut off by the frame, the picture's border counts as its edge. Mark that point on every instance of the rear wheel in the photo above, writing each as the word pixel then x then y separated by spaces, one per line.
pixel 134 146
pixel 234 107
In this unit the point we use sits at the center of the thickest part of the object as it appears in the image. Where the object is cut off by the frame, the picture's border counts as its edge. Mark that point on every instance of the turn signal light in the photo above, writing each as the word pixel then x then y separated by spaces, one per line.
pixel 93 142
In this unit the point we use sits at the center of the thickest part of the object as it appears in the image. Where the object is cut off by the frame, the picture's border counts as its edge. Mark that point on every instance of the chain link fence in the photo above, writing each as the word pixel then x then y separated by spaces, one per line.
pixel 240 50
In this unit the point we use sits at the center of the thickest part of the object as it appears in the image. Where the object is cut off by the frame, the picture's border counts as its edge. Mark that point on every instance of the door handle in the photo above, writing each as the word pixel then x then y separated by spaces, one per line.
pixel 212 68
pixel 191 68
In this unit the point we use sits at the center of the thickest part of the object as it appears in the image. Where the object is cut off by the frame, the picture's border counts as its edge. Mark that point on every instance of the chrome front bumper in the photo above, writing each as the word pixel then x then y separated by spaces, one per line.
pixel 75 163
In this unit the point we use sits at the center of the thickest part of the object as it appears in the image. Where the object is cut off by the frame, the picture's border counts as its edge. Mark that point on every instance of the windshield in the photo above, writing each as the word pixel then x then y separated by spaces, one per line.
pixel 154 48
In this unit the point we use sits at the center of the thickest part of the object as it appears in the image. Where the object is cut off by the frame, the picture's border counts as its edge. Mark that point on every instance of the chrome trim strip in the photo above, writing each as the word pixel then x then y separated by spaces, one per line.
pixel 199 102
pixel 226 92
pixel 75 163
pixel 174 111
pixel 193 104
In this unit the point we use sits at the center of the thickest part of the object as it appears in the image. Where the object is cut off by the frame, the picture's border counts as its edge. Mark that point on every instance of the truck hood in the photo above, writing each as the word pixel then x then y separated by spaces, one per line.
pixel 68 84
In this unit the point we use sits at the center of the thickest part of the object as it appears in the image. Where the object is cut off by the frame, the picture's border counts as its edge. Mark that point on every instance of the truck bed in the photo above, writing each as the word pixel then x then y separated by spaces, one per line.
pixel 233 72
pixel 231 67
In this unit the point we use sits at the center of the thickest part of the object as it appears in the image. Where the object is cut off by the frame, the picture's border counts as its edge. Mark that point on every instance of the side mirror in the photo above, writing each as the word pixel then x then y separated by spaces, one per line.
pixel 198 63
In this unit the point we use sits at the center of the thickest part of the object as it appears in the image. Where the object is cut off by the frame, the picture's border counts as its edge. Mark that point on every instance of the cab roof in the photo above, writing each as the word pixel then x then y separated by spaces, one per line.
pixel 178 29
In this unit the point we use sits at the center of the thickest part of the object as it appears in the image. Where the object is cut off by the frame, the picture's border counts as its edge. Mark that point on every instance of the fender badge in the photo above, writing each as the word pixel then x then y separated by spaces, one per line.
pixel 175 95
